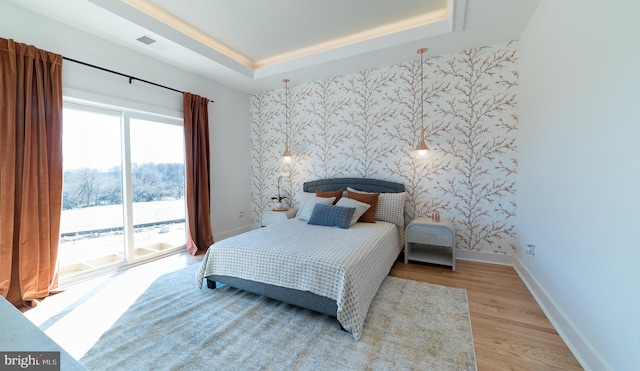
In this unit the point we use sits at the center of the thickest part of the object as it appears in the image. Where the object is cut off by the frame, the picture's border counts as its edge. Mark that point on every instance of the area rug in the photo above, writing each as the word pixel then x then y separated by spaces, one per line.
pixel 176 326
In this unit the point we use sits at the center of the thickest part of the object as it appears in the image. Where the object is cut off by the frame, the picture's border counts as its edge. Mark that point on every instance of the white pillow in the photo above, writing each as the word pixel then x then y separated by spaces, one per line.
pixel 307 209
pixel 361 207
pixel 302 198
pixel 390 207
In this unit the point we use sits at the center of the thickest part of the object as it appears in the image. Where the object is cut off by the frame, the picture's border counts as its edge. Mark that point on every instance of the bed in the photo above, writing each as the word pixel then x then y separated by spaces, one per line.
pixel 328 269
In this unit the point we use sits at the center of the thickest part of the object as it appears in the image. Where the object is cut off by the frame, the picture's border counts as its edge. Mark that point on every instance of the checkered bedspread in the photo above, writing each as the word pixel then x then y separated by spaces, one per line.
pixel 346 265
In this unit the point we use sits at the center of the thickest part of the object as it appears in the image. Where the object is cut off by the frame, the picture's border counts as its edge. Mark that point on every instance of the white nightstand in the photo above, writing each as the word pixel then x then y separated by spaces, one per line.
pixel 431 242
pixel 270 217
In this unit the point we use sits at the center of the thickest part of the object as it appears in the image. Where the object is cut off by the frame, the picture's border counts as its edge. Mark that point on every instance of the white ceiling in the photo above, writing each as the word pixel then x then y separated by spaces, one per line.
pixel 251 45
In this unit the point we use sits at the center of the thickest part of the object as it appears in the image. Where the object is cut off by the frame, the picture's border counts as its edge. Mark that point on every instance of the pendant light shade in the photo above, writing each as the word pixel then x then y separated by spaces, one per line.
pixel 422 148
pixel 286 155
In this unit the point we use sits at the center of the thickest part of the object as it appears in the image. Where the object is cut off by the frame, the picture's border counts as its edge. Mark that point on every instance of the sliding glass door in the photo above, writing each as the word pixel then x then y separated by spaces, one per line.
pixel 92 223
pixel 123 192
pixel 157 182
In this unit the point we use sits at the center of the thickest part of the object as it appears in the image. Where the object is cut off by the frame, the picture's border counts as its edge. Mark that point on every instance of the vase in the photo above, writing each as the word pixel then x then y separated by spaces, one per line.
pixel 277 205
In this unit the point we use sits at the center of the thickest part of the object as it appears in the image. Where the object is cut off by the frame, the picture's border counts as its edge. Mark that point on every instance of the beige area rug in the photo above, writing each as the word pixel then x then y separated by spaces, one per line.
pixel 174 325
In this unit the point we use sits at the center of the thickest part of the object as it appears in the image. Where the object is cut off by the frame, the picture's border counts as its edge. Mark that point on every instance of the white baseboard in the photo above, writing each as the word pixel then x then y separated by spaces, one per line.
pixel 584 352
pixel 484 257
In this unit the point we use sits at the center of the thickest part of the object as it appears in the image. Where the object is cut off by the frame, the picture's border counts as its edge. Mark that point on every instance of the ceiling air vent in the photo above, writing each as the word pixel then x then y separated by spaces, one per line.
pixel 153 43
pixel 146 40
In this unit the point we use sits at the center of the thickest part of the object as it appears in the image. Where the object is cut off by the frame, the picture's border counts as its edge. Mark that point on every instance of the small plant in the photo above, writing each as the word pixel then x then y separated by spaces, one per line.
pixel 279 197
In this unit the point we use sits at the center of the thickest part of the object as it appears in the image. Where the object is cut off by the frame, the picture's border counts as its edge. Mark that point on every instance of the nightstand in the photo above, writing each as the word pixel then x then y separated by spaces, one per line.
pixel 271 217
pixel 431 242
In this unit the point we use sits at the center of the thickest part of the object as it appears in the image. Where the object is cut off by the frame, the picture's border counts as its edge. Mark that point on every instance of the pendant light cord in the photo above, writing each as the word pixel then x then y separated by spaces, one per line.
pixel 286 110
pixel 422 89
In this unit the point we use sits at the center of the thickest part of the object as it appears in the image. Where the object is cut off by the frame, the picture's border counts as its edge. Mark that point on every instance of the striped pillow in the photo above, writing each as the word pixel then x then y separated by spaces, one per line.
pixel 390 207
pixel 360 207
pixel 301 199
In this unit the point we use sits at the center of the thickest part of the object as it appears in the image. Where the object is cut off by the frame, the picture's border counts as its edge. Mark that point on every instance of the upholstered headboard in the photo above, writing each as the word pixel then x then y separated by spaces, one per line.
pixel 361 184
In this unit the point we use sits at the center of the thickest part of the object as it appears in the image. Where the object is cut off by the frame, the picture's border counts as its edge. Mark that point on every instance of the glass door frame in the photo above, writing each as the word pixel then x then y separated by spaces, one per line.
pixel 130 255
pixel 126 114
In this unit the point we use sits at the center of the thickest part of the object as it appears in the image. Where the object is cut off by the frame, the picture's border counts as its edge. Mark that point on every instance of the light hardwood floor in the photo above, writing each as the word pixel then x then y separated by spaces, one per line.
pixel 510 331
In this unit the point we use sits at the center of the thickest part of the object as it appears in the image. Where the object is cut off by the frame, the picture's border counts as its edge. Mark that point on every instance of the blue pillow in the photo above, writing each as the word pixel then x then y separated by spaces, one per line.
pixel 331 215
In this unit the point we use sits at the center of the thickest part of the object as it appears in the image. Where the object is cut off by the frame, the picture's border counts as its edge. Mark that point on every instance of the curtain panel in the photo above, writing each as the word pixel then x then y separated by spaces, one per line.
pixel 30 170
pixel 197 162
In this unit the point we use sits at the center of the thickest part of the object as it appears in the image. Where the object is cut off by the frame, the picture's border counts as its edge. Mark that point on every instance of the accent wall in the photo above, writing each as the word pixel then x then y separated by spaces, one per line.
pixel 367 124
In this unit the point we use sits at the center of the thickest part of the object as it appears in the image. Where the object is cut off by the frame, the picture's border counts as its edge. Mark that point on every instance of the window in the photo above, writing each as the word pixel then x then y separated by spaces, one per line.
pixel 123 191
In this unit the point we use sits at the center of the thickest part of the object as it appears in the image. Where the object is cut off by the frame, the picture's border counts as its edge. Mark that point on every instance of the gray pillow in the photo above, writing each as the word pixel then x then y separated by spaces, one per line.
pixel 307 209
pixel 332 216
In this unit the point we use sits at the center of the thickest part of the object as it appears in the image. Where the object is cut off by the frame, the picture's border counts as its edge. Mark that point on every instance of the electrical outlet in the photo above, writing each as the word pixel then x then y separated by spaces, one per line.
pixel 240 214
pixel 531 249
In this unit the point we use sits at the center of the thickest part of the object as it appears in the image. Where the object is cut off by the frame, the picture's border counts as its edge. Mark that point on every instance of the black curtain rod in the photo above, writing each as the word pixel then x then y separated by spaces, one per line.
pixel 131 78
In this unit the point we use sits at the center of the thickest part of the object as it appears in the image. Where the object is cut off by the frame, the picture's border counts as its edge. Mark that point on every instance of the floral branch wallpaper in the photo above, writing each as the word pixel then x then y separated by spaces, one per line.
pixel 368 123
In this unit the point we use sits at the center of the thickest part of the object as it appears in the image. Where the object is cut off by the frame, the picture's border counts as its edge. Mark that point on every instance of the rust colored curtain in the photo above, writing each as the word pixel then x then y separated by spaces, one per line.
pixel 197 161
pixel 30 171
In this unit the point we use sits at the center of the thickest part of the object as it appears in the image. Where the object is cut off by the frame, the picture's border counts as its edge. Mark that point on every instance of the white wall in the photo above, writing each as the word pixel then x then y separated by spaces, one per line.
pixel 228 116
pixel 579 178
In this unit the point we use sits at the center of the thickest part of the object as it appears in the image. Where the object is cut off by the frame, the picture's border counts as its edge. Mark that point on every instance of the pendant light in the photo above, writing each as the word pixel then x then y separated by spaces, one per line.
pixel 286 155
pixel 422 148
